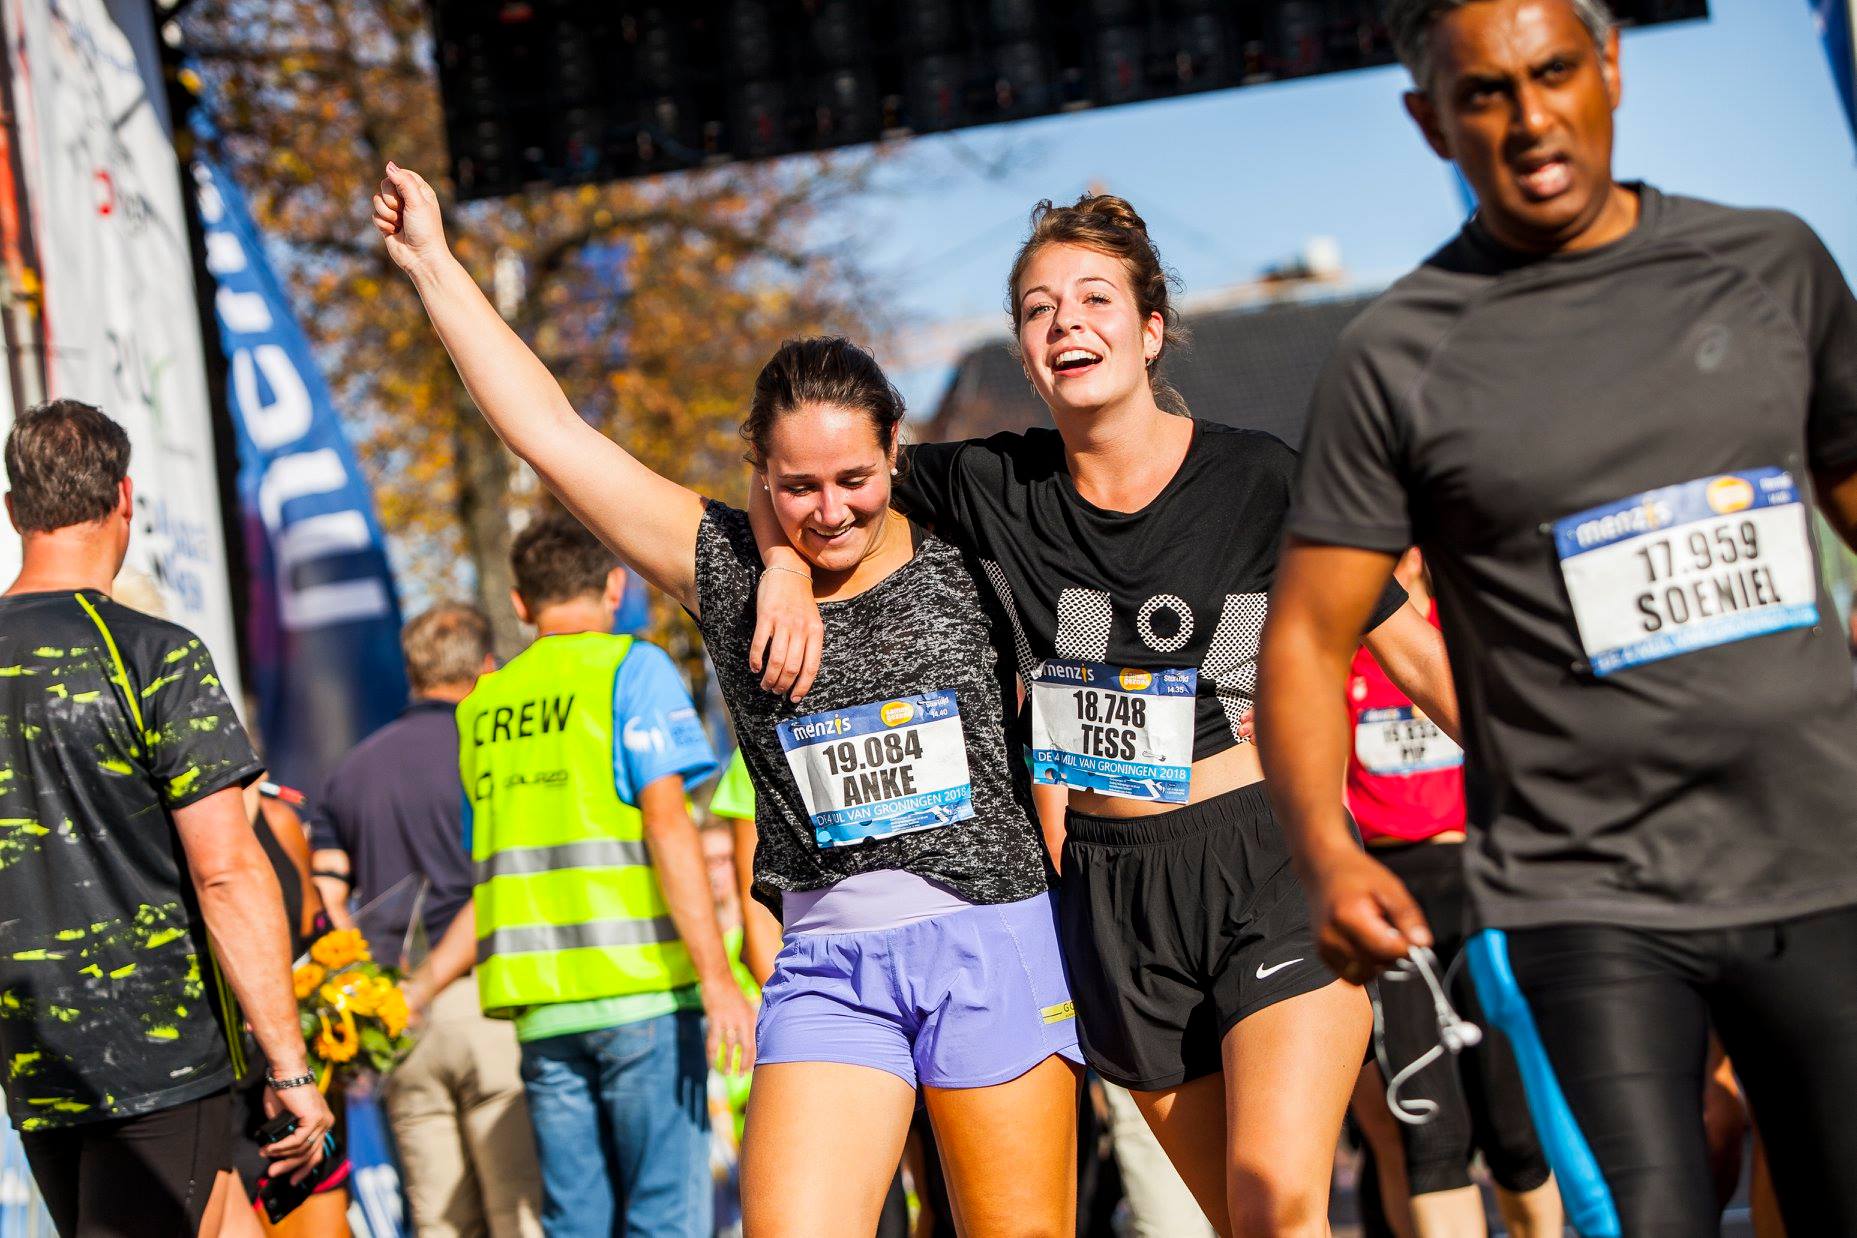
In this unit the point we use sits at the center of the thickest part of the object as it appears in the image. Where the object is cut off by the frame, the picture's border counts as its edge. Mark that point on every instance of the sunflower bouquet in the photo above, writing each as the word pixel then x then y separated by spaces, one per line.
pixel 352 1011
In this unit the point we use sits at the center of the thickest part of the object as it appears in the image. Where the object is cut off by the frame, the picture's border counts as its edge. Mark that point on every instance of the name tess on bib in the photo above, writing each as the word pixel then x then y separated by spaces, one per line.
pixel 1115 730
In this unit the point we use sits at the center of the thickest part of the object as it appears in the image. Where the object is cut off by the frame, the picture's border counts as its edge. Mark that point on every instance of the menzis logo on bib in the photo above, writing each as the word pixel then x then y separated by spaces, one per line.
pixel 1670 571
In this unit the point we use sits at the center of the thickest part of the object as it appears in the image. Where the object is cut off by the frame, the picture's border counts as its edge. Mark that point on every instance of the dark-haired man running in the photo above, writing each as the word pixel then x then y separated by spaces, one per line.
pixel 1598 410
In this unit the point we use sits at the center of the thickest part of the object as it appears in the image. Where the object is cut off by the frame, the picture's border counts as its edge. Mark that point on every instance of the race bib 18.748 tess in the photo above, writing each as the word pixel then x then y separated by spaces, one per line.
pixel 1116 730
pixel 874 771
pixel 1685 567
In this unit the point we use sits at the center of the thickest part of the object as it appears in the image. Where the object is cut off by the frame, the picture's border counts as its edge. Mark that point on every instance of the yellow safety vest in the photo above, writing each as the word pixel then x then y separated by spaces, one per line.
pixel 568 906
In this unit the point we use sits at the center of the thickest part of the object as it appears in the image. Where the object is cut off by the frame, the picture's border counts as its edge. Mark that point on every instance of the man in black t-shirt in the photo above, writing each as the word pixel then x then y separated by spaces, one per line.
pixel 1597 410
pixel 143 920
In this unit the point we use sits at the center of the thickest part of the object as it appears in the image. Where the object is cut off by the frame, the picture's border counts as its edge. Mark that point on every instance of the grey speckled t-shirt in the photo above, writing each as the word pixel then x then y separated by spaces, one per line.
pixel 925 628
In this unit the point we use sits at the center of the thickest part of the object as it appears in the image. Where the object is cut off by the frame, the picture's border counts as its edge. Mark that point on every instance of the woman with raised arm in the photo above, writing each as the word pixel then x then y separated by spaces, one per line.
pixel 896 838
pixel 1134 548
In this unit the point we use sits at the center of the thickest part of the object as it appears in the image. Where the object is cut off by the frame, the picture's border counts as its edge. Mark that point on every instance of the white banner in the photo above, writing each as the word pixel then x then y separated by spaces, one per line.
pixel 122 329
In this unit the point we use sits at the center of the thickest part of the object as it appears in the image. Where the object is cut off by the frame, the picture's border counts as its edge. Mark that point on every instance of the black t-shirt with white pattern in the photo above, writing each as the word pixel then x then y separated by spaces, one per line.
pixel 1184 582
pixel 927 627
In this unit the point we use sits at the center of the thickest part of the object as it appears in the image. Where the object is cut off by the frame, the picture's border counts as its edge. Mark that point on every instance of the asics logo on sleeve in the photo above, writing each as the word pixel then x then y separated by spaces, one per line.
pixel 1263 971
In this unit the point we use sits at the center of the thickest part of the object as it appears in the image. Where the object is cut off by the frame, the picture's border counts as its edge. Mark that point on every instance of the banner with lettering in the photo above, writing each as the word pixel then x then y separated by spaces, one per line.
pixel 324 628
pixel 107 207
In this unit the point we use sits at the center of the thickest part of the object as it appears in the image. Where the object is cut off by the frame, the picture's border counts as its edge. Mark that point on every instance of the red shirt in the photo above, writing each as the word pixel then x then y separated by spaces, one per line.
pixel 1405 776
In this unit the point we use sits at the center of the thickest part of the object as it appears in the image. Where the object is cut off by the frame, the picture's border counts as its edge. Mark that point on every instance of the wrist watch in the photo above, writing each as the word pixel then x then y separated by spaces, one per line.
pixel 283 1085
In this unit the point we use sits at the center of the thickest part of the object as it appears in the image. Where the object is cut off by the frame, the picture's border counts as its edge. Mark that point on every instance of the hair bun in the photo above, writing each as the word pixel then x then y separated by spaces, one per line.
pixel 1113 210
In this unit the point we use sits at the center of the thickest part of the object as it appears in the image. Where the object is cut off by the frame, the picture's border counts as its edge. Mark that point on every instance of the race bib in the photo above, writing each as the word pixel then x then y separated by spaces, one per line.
pixel 1396 742
pixel 1670 571
pixel 1115 730
pixel 878 770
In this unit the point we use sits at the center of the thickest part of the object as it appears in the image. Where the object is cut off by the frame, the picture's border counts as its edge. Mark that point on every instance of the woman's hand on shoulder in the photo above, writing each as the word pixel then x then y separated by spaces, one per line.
pixel 789 635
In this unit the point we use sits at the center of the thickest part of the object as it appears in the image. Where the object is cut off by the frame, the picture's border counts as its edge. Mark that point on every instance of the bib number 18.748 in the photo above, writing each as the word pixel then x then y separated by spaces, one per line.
pixel 1116 730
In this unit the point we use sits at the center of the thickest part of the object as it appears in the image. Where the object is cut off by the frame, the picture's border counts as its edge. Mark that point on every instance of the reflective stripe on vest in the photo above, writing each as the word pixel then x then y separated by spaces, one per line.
pixel 576 936
pixel 595 853
pixel 568 905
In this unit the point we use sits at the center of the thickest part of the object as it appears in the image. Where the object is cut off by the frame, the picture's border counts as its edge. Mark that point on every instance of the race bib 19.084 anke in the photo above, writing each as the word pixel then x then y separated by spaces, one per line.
pixel 874 771
pixel 1116 730
pixel 1685 567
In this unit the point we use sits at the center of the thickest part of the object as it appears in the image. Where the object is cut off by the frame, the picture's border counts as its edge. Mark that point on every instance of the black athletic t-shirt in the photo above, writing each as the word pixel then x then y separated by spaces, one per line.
pixel 1648 412
pixel 1182 583
pixel 109 721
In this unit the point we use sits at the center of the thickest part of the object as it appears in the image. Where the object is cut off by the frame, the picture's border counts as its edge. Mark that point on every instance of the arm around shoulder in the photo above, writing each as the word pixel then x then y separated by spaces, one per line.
pixel 648 520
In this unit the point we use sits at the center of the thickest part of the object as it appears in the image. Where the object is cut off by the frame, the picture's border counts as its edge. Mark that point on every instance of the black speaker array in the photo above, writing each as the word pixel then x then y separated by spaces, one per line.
pixel 567 91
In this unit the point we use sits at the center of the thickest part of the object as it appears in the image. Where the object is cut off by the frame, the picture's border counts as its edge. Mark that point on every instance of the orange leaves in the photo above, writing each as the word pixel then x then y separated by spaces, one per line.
pixel 659 347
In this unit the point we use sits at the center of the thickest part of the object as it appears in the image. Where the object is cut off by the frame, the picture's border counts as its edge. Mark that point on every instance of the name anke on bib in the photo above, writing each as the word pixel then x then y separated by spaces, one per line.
pixel 1670 571
pixel 1115 730
pixel 878 770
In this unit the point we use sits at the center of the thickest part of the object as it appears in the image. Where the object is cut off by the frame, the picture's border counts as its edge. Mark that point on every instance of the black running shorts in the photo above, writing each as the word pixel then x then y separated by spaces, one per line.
pixel 1175 927
pixel 128 1177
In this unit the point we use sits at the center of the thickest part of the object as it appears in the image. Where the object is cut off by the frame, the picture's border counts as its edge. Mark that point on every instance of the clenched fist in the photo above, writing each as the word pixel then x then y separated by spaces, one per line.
pixel 406 212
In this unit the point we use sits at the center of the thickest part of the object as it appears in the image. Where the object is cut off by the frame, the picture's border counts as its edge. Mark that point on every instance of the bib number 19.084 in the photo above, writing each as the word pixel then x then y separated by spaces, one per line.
pixel 874 752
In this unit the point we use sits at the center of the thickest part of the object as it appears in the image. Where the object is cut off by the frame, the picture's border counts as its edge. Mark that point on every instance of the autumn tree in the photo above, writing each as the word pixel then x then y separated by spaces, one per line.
pixel 655 302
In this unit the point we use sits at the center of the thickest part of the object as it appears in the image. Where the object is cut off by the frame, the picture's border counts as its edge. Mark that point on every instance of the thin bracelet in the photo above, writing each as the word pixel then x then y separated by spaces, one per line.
pixel 792 571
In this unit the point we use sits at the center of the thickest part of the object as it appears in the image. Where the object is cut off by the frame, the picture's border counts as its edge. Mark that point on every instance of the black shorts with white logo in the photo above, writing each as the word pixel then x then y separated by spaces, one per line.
pixel 1176 927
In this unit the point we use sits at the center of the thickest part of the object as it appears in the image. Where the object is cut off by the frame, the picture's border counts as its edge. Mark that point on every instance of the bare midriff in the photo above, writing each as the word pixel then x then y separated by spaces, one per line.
pixel 1213 776
pixel 1443 836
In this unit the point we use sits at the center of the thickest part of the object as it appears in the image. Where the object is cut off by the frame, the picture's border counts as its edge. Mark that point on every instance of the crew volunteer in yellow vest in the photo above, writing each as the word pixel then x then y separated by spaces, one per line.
pixel 591 922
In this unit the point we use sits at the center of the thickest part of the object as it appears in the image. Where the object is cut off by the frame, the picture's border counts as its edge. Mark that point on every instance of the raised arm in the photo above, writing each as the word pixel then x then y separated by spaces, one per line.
pixel 1363 916
pixel 647 520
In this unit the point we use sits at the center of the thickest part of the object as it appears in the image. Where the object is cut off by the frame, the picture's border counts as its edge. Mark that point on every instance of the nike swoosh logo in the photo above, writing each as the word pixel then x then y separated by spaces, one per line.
pixel 1263 971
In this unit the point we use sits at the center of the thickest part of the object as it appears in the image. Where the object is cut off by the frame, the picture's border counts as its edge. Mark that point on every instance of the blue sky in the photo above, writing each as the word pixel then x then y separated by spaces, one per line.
pixel 1740 109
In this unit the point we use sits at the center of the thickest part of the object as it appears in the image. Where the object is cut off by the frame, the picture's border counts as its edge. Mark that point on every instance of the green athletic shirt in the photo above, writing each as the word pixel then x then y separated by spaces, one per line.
pixel 110 720
pixel 734 794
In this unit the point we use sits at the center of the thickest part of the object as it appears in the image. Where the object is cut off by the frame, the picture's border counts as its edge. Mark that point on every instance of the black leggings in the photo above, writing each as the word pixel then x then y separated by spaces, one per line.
pixel 1624 1016
pixel 1479 1096
pixel 129 1177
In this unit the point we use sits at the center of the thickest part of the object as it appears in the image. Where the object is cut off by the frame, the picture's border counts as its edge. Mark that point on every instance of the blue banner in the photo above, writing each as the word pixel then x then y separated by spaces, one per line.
pixel 323 631
pixel 1835 22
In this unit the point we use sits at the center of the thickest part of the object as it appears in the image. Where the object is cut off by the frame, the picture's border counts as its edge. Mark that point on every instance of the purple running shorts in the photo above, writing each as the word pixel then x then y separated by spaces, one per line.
pixel 967 999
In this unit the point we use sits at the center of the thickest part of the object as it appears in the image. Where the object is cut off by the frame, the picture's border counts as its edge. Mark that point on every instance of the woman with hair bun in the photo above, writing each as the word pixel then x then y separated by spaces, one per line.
pixel 1133 549
pixel 895 824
